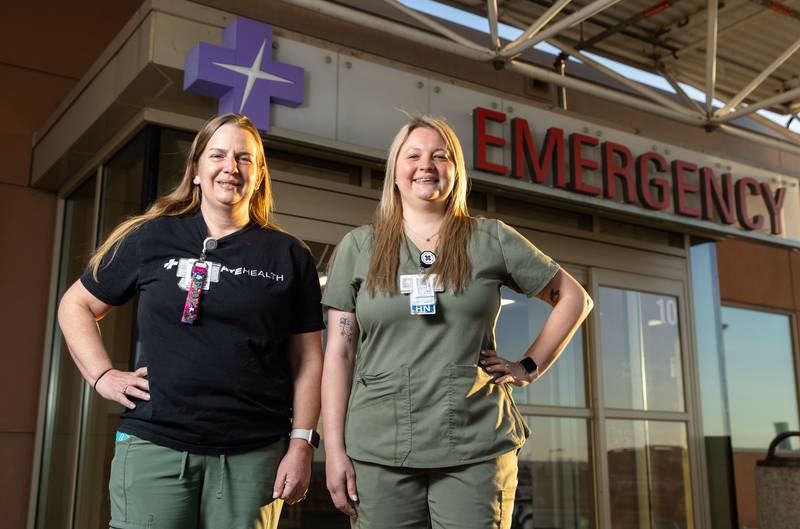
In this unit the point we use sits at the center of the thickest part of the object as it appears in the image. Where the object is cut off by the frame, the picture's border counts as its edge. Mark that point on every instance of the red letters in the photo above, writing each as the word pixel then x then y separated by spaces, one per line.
pixel 612 170
pixel 481 139
pixel 680 188
pixel 742 187
pixel 577 163
pixel 644 182
pixel 712 198
pixel 720 199
pixel 774 206
pixel 523 153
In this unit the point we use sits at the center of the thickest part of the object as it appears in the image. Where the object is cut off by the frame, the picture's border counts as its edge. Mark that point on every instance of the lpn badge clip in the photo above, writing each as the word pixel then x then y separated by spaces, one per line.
pixel 196 283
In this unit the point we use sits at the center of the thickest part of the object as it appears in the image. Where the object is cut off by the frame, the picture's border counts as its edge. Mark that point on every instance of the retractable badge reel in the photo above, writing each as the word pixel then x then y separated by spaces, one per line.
pixel 198 280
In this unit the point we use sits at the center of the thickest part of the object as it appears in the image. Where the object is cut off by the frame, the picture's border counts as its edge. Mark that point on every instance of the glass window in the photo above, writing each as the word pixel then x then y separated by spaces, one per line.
pixel 713 394
pixel 376 178
pixel 648 470
pixel 555 477
pixel 761 393
pixel 521 319
pixel 121 198
pixel 173 148
pixel 65 387
pixel 641 350
pixel 477 200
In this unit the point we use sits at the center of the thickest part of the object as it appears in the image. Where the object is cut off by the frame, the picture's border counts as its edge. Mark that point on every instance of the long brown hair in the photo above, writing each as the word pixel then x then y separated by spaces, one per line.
pixel 185 198
pixel 453 265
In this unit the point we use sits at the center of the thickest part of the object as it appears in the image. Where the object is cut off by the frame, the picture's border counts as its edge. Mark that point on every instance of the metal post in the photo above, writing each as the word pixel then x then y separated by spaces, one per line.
pixel 783 97
pixel 665 72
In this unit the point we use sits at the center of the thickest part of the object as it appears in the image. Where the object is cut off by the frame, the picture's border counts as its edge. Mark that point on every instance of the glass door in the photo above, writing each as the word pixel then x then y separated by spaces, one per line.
pixel 645 459
pixel 555 489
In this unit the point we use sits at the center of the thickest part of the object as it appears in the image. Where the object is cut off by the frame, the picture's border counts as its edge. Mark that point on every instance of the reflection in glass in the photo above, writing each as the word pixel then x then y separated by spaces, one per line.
pixel 762 396
pixel 61 429
pixel 641 350
pixel 173 148
pixel 713 393
pixel 521 319
pixel 555 477
pixel 121 198
pixel 648 473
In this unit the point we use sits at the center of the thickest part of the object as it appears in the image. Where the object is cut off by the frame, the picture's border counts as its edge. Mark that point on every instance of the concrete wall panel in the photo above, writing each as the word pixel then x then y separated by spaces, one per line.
pixel 16 453
pixel 26 236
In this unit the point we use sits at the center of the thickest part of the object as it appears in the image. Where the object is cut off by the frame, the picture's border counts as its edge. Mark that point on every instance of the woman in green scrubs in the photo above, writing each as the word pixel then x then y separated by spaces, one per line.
pixel 420 426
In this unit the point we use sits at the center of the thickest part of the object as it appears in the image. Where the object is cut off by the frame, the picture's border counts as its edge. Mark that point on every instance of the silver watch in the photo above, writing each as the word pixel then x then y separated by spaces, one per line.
pixel 309 436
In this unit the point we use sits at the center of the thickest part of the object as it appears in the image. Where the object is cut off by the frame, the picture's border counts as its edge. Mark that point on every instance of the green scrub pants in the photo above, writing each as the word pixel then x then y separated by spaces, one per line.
pixel 475 496
pixel 153 487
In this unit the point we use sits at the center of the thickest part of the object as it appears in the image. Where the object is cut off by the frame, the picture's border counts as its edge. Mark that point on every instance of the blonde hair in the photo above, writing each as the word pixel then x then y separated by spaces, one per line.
pixel 185 198
pixel 453 264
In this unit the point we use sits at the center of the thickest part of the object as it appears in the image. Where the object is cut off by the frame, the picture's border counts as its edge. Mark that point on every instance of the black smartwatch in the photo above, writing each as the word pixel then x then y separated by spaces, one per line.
pixel 529 365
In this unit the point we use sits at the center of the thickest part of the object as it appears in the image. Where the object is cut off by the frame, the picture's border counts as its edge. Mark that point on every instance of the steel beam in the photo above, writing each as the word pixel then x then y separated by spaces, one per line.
pixel 711 55
pixel 667 74
pixel 642 89
pixel 511 48
pixel 758 138
pixel 619 26
pixel 575 18
pixel 424 19
pixel 491 16
pixel 416 35
pixel 778 99
pixel 747 90
pixel 550 76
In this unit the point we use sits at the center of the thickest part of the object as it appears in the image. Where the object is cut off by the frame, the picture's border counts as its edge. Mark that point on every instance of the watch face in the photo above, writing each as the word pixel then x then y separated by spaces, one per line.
pixel 528 364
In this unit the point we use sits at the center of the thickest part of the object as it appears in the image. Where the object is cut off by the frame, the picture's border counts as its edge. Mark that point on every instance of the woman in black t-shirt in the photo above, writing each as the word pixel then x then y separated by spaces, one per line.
pixel 230 345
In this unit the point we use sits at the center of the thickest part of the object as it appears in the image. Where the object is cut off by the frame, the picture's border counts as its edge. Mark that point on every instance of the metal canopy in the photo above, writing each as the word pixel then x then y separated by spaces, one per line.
pixel 753 60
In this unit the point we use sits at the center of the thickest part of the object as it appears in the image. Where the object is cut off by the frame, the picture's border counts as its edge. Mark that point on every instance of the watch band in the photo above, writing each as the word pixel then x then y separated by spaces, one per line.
pixel 309 436
pixel 529 365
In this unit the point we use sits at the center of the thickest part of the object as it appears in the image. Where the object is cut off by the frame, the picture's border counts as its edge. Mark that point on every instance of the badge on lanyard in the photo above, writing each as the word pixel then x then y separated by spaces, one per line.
pixel 422 289
pixel 196 283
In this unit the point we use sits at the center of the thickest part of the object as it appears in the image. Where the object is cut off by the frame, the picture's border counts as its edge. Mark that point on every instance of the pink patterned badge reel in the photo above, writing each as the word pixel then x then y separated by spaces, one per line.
pixel 198 280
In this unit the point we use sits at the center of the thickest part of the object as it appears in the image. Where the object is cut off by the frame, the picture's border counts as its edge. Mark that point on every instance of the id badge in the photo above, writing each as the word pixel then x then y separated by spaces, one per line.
pixel 422 299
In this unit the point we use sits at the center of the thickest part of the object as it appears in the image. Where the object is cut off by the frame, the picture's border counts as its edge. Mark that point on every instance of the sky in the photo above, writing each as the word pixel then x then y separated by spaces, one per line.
pixel 510 33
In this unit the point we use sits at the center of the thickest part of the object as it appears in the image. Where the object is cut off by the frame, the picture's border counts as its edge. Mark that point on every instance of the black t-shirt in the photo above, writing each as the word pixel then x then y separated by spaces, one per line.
pixel 223 384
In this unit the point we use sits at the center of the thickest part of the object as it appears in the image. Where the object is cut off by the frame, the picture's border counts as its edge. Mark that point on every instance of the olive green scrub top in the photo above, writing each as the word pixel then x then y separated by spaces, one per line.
pixel 419 398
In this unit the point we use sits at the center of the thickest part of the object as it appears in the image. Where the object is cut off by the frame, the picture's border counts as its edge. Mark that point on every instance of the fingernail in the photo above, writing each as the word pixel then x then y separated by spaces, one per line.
pixel 354 497
pixel 274 495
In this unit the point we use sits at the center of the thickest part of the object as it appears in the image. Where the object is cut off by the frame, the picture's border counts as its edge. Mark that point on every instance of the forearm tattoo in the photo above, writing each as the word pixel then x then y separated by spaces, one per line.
pixel 346 328
pixel 554 294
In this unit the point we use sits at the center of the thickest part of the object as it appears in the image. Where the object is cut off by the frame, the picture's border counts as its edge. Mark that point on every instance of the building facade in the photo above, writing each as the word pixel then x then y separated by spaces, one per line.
pixel 656 413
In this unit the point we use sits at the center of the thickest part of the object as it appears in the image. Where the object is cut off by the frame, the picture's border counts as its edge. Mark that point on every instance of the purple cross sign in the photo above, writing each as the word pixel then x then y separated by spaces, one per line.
pixel 242 74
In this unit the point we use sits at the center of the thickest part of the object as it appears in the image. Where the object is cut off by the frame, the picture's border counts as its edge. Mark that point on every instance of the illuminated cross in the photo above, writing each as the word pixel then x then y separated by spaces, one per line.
pixel 242 74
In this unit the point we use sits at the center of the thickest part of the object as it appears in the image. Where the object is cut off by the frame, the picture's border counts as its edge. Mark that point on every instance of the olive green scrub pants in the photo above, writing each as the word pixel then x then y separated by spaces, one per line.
pixel 153 487
pixel 474 496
